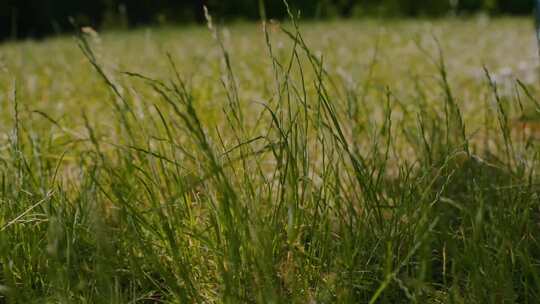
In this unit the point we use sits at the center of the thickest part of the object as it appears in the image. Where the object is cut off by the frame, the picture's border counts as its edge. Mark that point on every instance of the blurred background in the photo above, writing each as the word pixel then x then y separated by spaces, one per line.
pixel 38 18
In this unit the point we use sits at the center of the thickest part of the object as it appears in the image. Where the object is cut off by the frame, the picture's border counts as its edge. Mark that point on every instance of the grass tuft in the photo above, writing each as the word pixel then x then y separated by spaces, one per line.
pixel 314 189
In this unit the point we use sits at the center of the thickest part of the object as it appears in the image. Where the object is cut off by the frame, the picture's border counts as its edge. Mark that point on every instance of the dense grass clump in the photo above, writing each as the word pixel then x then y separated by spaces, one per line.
pixel 311 188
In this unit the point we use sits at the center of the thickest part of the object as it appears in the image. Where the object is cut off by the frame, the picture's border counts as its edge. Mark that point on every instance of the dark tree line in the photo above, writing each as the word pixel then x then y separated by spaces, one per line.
pixel 37 18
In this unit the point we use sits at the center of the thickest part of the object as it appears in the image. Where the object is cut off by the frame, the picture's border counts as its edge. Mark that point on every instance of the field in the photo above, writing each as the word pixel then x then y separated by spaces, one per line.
pixel 365 161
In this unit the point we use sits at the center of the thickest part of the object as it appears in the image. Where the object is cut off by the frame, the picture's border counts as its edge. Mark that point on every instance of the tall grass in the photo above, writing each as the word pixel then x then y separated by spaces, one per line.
pixel 310 196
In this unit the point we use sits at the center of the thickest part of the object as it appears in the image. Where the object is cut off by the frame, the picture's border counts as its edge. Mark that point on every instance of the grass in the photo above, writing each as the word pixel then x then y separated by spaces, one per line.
pixel 347 162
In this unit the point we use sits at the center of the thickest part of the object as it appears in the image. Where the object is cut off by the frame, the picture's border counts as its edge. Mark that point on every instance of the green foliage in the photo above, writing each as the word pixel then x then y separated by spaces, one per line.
pixel 272 180
pixel 38 18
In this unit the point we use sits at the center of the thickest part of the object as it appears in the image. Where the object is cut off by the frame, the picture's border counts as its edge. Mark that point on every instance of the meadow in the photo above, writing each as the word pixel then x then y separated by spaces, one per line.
pixel 368 161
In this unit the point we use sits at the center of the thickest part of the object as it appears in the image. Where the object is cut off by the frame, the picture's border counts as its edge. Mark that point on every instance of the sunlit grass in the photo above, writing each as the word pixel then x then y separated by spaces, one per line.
pixel 347 161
